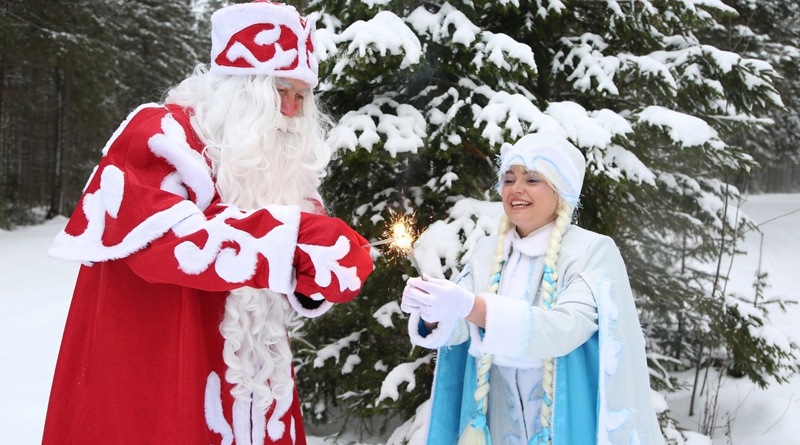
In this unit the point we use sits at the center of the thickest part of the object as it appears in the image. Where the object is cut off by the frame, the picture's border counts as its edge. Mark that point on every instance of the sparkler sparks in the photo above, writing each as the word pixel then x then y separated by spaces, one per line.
pixel 400 236
pixel 402 233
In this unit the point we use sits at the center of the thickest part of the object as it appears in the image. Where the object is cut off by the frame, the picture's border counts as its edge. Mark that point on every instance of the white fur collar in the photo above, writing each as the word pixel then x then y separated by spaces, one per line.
pixel 533 245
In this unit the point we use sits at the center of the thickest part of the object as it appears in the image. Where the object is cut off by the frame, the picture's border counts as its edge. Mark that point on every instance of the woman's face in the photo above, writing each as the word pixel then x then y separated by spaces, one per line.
pixel 529 202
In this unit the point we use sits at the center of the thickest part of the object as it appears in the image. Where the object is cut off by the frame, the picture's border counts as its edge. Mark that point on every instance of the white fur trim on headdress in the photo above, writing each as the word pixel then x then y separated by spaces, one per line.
pixel 550 155
pixel 264 38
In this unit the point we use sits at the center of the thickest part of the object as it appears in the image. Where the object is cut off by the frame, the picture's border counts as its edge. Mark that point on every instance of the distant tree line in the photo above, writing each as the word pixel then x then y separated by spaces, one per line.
pixel 70 71
pixel 770 31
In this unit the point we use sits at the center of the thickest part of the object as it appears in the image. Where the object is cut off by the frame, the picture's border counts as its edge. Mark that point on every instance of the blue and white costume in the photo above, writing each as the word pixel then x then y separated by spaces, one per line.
pixel 602 391
pixel 585 330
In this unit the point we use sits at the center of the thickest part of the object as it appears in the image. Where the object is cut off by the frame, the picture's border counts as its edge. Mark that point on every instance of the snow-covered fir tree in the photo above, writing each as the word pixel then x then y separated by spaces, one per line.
pixel 70 71
pixel 424 94
pixel 770 31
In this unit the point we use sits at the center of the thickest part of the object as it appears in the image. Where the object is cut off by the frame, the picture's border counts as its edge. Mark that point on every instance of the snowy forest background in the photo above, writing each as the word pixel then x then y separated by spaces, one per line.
pixel 682 107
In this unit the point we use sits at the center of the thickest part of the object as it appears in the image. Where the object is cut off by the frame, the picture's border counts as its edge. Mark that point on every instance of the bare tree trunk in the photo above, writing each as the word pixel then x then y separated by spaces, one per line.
pixel 678 347
pixel 3 148
pixel 57 189
pixel 714 292
pixel 696 377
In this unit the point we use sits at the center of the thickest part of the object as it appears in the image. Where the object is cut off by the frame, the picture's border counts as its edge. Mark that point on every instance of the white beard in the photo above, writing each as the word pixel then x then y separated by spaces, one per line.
pixel 255 324
pixel 255 173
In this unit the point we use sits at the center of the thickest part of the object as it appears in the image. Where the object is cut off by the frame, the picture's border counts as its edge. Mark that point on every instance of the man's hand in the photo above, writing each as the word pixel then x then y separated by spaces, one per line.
pixel 436 299
pixel 329 260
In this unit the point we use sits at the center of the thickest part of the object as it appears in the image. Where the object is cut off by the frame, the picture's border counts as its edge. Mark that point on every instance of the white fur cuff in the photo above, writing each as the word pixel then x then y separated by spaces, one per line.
pixel 308 313
pixel 508 326
pixel 434 339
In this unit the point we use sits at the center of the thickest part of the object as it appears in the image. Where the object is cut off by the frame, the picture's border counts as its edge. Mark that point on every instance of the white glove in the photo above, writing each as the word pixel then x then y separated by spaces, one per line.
pixel 436 299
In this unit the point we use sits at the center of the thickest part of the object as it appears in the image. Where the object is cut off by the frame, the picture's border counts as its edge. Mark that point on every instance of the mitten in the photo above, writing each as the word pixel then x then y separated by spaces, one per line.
pixel 330 261
pixel 436 299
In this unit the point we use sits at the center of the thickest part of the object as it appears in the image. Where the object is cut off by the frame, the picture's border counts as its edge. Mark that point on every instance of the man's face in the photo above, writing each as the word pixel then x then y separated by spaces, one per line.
pixel 292 93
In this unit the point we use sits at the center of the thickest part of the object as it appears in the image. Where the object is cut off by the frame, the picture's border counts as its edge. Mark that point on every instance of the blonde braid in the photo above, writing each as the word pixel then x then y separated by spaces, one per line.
pixel 476 432
pixel 549 280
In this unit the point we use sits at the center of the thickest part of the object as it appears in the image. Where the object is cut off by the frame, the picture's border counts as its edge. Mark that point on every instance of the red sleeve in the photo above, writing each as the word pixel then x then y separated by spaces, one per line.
pixel 225 249
pixel 152 201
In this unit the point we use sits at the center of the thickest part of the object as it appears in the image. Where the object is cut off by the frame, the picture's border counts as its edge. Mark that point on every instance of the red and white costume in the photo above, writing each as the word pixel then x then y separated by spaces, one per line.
pixel 141 360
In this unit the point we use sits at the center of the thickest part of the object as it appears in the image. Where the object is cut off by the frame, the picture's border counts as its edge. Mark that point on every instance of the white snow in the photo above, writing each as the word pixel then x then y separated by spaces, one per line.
pixel 402 373
pixel 36 291
pixel 649 67
pixel 717 4
pixel 350 363
pixel 588 64
pixel 611 121
pixel 384 33
pixel 437 26
pixel 619 161
pixel 384 314
pixel 372 3
pixel 326 44
pixel 404 131
pixel 333 350
pixel 499 46
pixel 499 49
pixel 687 130
pixel 511 110
pixel 578 125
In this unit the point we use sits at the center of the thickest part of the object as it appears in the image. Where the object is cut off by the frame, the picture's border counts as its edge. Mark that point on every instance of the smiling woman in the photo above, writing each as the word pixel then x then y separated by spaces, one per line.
pixel 529 199
pixel 540 298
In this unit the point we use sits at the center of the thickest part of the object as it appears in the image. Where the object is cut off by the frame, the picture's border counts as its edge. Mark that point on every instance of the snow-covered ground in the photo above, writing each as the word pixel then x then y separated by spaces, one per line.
pixel 35 292
pixel 752 415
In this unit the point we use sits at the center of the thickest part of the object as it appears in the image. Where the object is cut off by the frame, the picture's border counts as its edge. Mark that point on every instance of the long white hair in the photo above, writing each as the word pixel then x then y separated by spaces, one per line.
pixel 259 157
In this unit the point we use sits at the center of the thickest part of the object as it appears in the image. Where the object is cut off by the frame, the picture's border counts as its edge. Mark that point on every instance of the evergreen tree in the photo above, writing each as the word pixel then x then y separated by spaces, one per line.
pixel 71 70
pixel 426 92
pixel 770 31
pixel 51 60
pixel 159 43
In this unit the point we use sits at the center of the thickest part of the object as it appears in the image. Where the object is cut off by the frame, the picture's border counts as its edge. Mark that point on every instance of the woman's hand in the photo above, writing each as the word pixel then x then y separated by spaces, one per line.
pixel 436 299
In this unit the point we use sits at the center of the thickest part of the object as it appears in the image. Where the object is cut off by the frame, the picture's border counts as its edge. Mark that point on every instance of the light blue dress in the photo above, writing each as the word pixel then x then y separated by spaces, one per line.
pixel 602 393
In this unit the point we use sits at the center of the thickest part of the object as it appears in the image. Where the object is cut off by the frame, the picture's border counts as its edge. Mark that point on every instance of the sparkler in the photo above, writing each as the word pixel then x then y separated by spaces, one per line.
pixel 400 236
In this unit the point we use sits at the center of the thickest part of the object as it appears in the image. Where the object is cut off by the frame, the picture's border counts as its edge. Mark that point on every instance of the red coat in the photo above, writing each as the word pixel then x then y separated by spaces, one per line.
pixel 141 357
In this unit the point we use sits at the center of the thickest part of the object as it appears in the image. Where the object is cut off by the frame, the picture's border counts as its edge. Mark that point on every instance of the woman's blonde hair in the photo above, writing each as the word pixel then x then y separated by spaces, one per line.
pixel 477 432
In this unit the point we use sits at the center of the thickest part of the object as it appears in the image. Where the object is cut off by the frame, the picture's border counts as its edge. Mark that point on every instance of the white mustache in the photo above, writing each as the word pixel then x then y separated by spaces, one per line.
pixel 291 124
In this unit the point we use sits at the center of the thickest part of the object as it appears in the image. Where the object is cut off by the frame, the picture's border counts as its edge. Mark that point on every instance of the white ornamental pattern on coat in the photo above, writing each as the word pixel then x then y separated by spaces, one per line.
pixel 277 246
pixel 190 171
pixel 611 349
pixel 190 166
pixel 232 266
pixel 326 262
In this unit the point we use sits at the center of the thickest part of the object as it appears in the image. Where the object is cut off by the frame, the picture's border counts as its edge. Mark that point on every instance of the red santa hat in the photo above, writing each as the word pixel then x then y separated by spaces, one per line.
pixel 262 37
